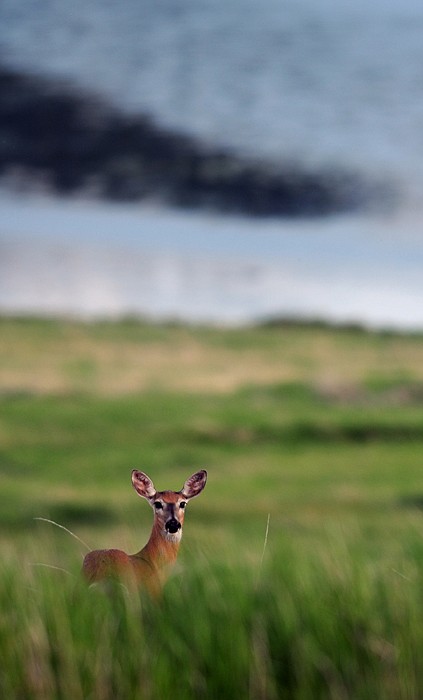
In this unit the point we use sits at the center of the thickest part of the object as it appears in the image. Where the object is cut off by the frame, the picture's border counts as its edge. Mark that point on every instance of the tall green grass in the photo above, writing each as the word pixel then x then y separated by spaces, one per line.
pixel 338 622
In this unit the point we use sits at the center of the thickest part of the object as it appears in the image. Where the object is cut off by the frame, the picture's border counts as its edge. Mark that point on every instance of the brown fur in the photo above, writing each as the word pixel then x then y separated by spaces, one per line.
pixel 150 566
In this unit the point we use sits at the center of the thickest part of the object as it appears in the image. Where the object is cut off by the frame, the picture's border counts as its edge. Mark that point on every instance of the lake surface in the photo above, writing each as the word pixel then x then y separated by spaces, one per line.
pixel 314 83
pixel 312 80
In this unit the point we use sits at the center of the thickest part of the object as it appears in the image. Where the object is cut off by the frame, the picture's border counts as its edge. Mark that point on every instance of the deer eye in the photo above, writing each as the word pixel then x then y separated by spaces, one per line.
pixel 158 505
pixel 182 504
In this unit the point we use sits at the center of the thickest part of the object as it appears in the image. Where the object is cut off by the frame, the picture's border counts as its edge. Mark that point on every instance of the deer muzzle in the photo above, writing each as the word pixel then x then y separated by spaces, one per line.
pixel 172 526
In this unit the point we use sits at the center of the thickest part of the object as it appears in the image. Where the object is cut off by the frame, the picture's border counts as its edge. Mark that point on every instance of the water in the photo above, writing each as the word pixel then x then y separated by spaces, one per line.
pixel 318 83
pixel 102 260
pixel 310 79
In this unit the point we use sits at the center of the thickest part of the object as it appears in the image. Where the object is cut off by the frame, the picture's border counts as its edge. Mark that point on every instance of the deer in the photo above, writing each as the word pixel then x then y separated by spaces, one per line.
pixel 150 567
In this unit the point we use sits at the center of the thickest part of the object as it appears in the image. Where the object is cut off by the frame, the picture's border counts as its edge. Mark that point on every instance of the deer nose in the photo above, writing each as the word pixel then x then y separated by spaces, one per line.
pixel 173 526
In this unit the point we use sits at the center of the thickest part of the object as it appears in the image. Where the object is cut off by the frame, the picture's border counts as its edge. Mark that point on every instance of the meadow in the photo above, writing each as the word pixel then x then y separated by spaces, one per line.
pixel 301 567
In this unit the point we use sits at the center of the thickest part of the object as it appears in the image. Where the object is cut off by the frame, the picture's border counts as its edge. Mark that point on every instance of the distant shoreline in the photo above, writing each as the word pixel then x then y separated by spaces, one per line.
pixel 90 259
pixel 139 320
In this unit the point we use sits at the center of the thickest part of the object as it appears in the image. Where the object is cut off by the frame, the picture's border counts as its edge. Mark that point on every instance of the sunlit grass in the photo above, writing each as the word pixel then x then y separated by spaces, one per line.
pixel 129 356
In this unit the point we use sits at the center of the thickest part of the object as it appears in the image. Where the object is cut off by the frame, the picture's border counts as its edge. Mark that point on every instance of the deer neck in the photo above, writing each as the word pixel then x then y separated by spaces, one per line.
pixel 161 549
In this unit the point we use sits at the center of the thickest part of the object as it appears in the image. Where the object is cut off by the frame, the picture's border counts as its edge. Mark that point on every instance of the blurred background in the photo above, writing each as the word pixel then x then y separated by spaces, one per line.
pixel 211 256
pixel 212 161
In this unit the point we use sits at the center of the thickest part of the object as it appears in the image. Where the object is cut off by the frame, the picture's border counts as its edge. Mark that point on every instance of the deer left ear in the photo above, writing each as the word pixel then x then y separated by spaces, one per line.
pixel 195 484
pixel 143 484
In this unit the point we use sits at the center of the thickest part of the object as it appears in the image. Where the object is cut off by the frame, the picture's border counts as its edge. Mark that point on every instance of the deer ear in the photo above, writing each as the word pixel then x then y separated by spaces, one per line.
pixel 195 484
pixel 143 484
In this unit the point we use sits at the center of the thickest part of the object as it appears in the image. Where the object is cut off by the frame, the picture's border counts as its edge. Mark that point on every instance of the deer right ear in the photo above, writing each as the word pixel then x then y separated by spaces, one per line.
pixel 143 484
pixel 195 484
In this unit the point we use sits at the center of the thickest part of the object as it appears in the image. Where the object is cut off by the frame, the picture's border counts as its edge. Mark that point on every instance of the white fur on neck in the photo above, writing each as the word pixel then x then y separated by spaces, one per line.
pixel 174 537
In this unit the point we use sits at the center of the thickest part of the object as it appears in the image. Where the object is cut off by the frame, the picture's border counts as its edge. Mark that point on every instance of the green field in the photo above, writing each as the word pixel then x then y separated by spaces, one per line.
pixel 301 568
